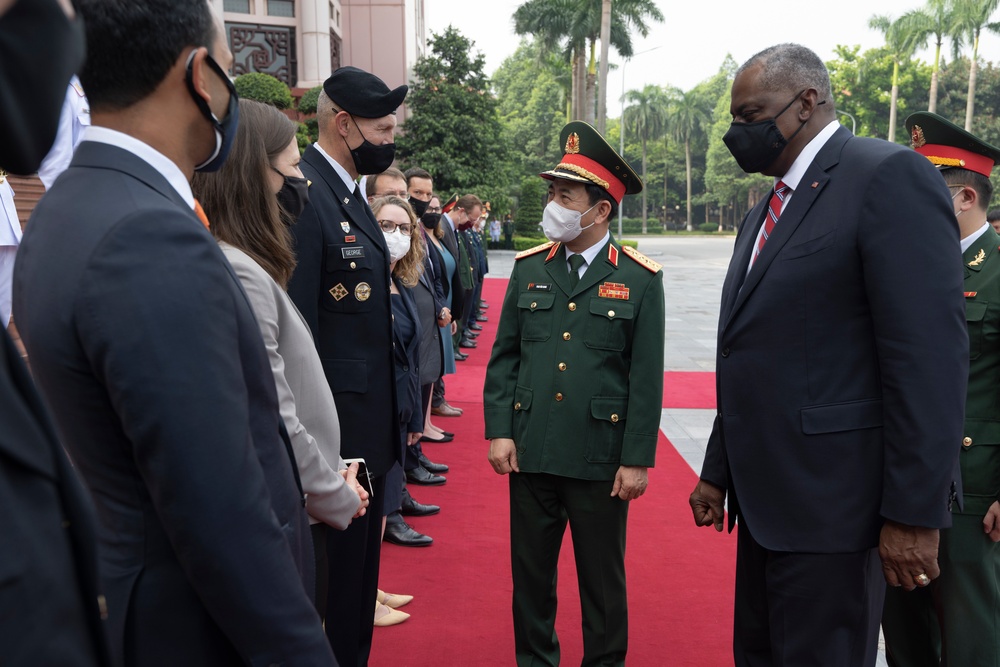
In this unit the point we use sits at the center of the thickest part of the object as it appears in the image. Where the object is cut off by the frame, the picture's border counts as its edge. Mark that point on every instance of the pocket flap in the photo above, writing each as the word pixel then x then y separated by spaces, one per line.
pixel 522 398
pixel 346 375
pixel 975 311
pixel 347 257
pixel 837 417
pixel 609 408
pixel 613 309
pixel 535 301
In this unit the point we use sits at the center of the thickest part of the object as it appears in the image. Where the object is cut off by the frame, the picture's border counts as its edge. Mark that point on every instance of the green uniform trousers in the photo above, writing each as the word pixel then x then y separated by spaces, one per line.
pixel 955 621
pixel 540 505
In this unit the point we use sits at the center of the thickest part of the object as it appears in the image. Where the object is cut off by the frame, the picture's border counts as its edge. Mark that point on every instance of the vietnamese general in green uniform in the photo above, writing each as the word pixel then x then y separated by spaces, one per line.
pixel 955 620
pixel 573 398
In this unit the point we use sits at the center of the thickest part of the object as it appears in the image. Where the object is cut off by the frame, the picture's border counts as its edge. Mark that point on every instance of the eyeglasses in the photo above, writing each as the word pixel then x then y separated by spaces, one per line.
pixel 400 194
pixel 433 209
pixel 388 226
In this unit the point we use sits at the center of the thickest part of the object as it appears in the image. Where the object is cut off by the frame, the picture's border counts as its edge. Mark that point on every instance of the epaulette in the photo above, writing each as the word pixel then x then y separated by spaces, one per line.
pixel 641 259
pixel 534 251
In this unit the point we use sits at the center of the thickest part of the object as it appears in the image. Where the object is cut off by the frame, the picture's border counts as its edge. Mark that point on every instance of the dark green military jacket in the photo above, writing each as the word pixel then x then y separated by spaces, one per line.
pixel 576 376
pixel 980 458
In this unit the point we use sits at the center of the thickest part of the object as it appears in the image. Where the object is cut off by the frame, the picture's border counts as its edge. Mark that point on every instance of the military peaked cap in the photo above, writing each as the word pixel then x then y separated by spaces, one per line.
pixel 948 146
pixel 590 159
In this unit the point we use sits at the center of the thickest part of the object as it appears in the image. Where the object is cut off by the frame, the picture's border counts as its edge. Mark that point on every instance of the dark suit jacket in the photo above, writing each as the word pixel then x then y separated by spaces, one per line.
pixel 433 276
pixel 146 348
pixel 842 356
pixel 48 552
pixel 460 277
pixel 407 359
pixel 341 286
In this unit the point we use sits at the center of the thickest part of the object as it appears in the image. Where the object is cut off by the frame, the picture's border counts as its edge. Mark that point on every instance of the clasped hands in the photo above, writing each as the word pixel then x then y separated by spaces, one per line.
pixel 350 475
pixel 630 481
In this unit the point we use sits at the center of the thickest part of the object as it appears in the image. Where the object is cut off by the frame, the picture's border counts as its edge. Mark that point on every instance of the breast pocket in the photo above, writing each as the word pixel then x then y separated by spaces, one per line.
pixel 535 309
pixel 975 313
pixel 810 247
pixel 609 326
pixel 349 278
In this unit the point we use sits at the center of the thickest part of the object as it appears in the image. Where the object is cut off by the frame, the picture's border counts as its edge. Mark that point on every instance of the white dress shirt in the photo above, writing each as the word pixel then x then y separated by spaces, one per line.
pixel 344 176
pixel 971 238
pixel 589 255
pixel 73 120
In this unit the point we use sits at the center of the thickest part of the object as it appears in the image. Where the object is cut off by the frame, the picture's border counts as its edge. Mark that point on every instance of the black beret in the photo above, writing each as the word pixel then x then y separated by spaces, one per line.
pixel 363 94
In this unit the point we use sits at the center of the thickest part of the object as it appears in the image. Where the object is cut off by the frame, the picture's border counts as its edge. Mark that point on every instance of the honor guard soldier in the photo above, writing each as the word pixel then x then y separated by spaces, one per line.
pixel 573 398
pixel 956 619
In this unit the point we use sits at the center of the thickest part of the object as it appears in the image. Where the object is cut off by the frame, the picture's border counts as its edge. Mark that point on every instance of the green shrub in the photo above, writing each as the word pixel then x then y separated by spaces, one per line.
pixel 263 88
pixel 529 206
pixel 302 137
pixel 630 243
pixel 309 100
pixel 708 227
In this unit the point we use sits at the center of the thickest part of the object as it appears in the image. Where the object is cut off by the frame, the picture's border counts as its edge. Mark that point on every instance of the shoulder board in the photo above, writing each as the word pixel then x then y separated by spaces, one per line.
pixel 641 259
pixel 534 251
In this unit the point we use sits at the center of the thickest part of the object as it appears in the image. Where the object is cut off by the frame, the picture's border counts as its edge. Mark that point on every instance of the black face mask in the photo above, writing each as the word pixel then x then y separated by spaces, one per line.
pixel 419 206
pixel 35 81
pixel 225 130
pixel 371 159
pixel 292 197
pixel 758 144
pixel 430 220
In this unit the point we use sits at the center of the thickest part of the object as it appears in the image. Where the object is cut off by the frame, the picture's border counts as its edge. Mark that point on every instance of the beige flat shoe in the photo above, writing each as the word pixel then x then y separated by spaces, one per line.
pixel 386 616
pixel 394 600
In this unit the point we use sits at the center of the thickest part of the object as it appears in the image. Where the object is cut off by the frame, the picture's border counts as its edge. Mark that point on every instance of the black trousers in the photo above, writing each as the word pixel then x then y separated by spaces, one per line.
pixel 322 566
pixel 805 610
pixel 353 555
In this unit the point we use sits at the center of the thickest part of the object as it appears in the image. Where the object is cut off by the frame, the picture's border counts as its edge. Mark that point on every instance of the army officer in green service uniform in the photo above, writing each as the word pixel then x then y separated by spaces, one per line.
pixel 572 401
pixel 955 621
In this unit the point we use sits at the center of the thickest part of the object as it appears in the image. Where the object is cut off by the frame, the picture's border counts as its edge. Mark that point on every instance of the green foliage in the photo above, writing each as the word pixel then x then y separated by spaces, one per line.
pixel 527 242
pixel 455 131
pixel 530 204
pixel 708 227
pixel 302 137
pixel 309 99
pixel 263 88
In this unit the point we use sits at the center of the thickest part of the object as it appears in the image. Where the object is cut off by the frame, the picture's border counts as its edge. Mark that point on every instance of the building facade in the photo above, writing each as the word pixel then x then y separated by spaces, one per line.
pixel 302 41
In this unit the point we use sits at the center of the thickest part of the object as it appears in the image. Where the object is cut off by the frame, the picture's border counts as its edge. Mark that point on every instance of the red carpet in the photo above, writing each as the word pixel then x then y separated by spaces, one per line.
pixel 689 390
pixel 680 577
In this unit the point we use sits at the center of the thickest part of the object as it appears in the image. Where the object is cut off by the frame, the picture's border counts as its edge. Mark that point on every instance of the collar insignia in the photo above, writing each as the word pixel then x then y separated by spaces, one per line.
pixel 979 258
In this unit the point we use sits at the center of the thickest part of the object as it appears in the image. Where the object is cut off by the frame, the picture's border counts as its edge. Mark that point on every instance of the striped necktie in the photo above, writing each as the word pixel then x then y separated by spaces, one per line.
pixel 773 213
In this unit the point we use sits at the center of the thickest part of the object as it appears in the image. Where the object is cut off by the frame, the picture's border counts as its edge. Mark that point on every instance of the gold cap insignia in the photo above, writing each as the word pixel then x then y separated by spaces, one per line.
pixel 917 137
pixel 573 143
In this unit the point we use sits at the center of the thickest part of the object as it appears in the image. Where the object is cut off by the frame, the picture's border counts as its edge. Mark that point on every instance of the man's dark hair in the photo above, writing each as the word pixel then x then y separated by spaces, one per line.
pixel 973 179
pixel 993 215
pixel 132 44
pixel 790 66
pixel 417 172
pixel 596 193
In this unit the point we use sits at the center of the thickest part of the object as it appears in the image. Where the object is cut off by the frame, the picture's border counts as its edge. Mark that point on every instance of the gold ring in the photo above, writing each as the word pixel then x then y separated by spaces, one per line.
pixel 922 579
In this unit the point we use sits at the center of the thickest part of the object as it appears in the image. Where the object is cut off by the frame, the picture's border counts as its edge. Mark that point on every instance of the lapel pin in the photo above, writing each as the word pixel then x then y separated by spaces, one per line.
pixel 815 184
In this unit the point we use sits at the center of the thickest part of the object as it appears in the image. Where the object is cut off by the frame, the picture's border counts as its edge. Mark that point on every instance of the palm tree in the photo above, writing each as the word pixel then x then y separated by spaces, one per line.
pixel 576 26
pixel 647 117
pixel 900 45
pixel 687 117
pixel 936 20
pixel 602 82
pixel 971 17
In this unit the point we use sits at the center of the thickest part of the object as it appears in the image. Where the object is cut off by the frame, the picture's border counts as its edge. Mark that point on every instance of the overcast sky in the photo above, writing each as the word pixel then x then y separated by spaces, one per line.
pixel 691 43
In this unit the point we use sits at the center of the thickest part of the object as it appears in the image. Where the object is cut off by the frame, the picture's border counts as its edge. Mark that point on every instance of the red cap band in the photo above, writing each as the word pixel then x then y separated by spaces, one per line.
pixel 594 171
pixel 949 156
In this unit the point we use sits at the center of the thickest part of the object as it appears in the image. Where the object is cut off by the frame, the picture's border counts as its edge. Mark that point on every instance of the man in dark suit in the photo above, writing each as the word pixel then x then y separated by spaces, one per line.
pixel 48 554
pixel 841 366
pixel 341 285
pixel 148 352
pixel 954 620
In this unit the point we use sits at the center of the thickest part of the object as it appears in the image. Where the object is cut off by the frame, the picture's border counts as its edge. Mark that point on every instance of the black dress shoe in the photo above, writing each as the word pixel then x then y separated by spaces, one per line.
pixel 483 305
pixel 467 343
pixel 411 507
pixel 459 356
pixel 448 434
pixel 476 327
pixel 399 532
pixel 482 318
pixel 430 466
pixel 420 475
pixel 446 438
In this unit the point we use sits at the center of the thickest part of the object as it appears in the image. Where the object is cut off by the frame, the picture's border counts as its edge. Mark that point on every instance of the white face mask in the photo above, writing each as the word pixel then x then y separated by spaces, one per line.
pixel 563 224
pixel 398 245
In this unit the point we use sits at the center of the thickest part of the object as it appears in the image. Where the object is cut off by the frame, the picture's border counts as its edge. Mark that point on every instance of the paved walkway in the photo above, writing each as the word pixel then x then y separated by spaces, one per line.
pixel 694 268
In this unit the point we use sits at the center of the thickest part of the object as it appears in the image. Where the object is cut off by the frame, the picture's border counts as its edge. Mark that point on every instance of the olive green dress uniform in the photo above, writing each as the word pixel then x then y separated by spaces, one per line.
pixel 957 617
pixel 576 380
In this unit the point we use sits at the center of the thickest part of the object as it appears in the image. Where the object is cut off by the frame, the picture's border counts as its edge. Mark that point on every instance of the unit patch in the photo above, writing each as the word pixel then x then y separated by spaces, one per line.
pixel 345 225
pixel 613 291
pixel 338 291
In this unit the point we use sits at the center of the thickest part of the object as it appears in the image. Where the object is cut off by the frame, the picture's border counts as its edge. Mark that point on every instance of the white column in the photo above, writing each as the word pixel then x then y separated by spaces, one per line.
pixel 315 33
pixel 219 8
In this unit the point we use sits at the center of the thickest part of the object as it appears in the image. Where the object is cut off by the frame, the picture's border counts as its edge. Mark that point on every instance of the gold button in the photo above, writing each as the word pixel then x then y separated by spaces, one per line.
pixel 559 396
pixel 353 265
pixel 967 441
pixel 562 366
pixel 534 304
pixel 572 306
pixel 517 406
pixel 614 419
pixel 611 313
pixel 566 336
